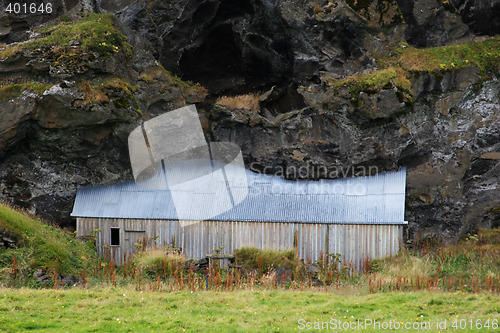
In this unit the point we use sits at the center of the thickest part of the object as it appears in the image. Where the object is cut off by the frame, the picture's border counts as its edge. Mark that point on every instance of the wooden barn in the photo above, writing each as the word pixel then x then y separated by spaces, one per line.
pixel 359 218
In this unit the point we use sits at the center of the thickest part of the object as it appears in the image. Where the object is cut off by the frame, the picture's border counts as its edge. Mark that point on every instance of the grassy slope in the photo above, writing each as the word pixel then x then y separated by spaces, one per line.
pixel 125 310
pixel 41 245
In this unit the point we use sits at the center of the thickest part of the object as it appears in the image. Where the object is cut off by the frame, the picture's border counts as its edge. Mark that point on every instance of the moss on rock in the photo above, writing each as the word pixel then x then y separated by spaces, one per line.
pixel 483 55
pixel 8 92
pixel 371 83
pixel 160 74
pixel 67 40
pixel 115 89
pixel 406 60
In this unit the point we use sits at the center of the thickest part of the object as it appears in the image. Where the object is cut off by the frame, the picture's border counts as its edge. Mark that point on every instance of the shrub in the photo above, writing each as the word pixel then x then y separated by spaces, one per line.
pixel 159 261
pixel 251 258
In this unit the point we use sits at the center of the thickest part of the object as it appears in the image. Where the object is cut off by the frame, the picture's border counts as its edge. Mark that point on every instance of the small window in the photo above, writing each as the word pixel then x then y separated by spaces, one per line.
pixel 115 236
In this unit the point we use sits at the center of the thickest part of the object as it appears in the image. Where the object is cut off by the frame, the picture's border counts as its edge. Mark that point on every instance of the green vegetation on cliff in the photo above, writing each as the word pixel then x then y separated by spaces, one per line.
pixel 8 92
pixel 93 32
pixel 40 246
pixel 373 82
pixel 72 50
pixel 483 55
pixel 115 89
pixel 159 74
pixel 397 69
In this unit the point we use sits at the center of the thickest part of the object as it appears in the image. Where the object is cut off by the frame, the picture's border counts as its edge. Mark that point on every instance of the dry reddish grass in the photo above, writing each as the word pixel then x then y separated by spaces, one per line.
pixel 93 95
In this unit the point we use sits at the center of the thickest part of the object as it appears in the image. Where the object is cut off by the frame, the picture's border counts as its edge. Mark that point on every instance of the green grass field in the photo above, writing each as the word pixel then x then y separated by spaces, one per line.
pixel 453 284
pixel 127 310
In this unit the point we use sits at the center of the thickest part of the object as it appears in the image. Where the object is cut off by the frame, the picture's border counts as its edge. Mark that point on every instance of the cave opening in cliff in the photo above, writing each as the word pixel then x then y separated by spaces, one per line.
pixel 237 52
pixel 217 58
pixel 223 65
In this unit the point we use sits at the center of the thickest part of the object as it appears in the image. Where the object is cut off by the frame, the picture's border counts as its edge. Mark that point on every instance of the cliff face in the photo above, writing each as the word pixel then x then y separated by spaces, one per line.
pixel 339 88
pixel 70 96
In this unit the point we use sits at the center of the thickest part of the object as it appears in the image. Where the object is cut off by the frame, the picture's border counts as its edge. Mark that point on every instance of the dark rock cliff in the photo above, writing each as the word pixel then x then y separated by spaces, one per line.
pixel 67 106
pixel 340 89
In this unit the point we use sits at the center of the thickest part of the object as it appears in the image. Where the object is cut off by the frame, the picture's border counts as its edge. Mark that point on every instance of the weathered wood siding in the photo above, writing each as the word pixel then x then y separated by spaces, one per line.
pixel 354 242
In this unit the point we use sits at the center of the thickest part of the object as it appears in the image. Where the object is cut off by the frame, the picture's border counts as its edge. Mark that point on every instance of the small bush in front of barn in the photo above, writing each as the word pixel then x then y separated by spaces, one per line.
pixel 263 261
pixel 159 262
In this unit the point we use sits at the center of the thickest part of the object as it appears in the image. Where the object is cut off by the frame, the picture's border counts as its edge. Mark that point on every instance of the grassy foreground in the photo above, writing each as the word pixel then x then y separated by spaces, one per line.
pixel 127 310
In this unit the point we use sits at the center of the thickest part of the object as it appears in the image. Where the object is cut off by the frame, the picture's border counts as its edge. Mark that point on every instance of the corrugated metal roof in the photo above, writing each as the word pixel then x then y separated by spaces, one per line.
pixel 378 199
